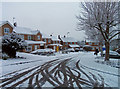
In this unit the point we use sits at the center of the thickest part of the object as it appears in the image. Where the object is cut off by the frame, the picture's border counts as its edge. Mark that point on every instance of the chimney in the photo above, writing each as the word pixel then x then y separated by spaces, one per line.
pixel 58 36
pixel 51 35
pixel 15 24
pixel 64 36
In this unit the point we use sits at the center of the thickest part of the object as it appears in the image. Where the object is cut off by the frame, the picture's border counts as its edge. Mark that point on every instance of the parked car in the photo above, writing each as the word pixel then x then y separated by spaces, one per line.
pixel 118 50
pixel 77 49
pixel 70 50
pixel 113 54
pixel 81 49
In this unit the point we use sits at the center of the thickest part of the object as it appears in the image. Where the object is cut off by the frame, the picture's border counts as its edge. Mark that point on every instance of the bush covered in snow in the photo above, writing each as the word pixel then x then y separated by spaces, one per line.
pixel 12 43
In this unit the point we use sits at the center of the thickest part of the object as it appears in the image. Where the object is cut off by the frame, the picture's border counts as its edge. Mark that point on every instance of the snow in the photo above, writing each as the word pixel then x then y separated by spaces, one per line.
pixel 34 42
pixel 68 39
pixel 43 50
pixel 87 61
pixel 73 46
pixel 94 41
pixel 5 22
pixel 45 36
pixel 112 53
pixel 24 30
pixel 71 49
pixel 55 44
pixel 55 38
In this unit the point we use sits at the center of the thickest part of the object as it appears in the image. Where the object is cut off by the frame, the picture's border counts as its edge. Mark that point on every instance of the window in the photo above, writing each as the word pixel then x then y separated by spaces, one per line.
pixel 29 37
pixel 38 46
pixel 66 43
pixel 93 48
pixel 90 43
pixel 21 36
pixel 95 43
pixel 6 30
pixel 45 40
pixel 48 40
pixel 29 48
pixel 38 37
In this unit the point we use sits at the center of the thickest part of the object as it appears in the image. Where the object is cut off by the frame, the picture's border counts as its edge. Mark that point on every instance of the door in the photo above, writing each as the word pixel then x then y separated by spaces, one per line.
pixel 35 47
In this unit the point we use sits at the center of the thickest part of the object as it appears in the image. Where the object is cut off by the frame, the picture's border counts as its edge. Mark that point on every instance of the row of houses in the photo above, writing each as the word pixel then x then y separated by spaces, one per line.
pixel 37 40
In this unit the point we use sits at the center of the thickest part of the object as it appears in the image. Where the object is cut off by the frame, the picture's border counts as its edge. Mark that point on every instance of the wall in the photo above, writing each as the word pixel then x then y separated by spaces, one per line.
pixel 2 29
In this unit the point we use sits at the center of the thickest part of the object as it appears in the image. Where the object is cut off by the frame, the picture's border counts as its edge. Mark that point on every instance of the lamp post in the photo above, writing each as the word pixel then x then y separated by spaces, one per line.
pixel 68 33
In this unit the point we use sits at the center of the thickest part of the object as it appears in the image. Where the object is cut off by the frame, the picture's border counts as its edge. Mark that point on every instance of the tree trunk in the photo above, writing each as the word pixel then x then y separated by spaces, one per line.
pixel 101 49
pixel 107 46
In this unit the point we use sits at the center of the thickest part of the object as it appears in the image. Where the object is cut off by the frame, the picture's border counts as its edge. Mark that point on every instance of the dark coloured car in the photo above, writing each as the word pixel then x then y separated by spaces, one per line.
pixel 118 50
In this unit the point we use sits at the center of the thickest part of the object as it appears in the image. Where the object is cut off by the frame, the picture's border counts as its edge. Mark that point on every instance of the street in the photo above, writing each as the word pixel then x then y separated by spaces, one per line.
pixel 64 71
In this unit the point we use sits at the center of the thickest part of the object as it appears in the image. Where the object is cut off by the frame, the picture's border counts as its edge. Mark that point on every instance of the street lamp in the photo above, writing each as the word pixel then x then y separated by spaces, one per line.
pixel 68 33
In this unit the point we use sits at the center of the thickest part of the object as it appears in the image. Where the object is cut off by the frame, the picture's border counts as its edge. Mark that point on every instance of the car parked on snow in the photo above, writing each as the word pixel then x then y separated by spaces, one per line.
pixel 77 49
pixel 113 54
pixel 118 50
pixel 81 49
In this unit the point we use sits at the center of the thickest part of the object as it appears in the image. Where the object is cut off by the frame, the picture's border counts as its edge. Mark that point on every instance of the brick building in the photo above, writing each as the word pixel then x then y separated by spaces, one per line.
pixel 33 38
pixel 69 42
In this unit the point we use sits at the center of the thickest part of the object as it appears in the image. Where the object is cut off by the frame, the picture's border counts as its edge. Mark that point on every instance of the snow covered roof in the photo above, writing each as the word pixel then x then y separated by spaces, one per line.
pixel 90 46
pixel 74 45
pixel 34 42
pixel 45 36
pixel 55 38
pixel 24 30
pixel 68 39
pixel 43 50
pixel 5 22
pixel 55 44
pixel 95 41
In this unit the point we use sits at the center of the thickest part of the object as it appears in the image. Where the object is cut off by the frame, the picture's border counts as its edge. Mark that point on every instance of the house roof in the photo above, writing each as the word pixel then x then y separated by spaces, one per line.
pixel 43 50
pixel 68 39
pixel 24 30
pixel 55 38
pixel 55 44
pixel 45 36
pixel 74 45
pixel 34 42
pixel 5 22
pixel 95 41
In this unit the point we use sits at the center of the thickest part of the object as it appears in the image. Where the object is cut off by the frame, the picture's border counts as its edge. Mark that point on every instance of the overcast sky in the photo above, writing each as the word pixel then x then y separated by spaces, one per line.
pixel 55 18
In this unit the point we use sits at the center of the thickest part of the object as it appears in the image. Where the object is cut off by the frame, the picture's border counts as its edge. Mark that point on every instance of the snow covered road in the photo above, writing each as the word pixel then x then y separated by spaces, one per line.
pixel 74 69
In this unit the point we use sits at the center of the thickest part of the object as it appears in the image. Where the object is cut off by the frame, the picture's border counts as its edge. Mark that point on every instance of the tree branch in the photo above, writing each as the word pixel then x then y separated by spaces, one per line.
pixel 114 35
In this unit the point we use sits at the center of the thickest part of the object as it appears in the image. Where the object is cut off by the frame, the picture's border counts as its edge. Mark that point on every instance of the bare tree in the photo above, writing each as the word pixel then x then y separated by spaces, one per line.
pixel 100 16
pixel 96 36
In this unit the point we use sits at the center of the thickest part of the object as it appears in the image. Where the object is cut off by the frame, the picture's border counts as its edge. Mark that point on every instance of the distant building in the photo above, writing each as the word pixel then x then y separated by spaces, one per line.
pixel 55 44
pixel 69 42
pixel 46 39
pixel 92 44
